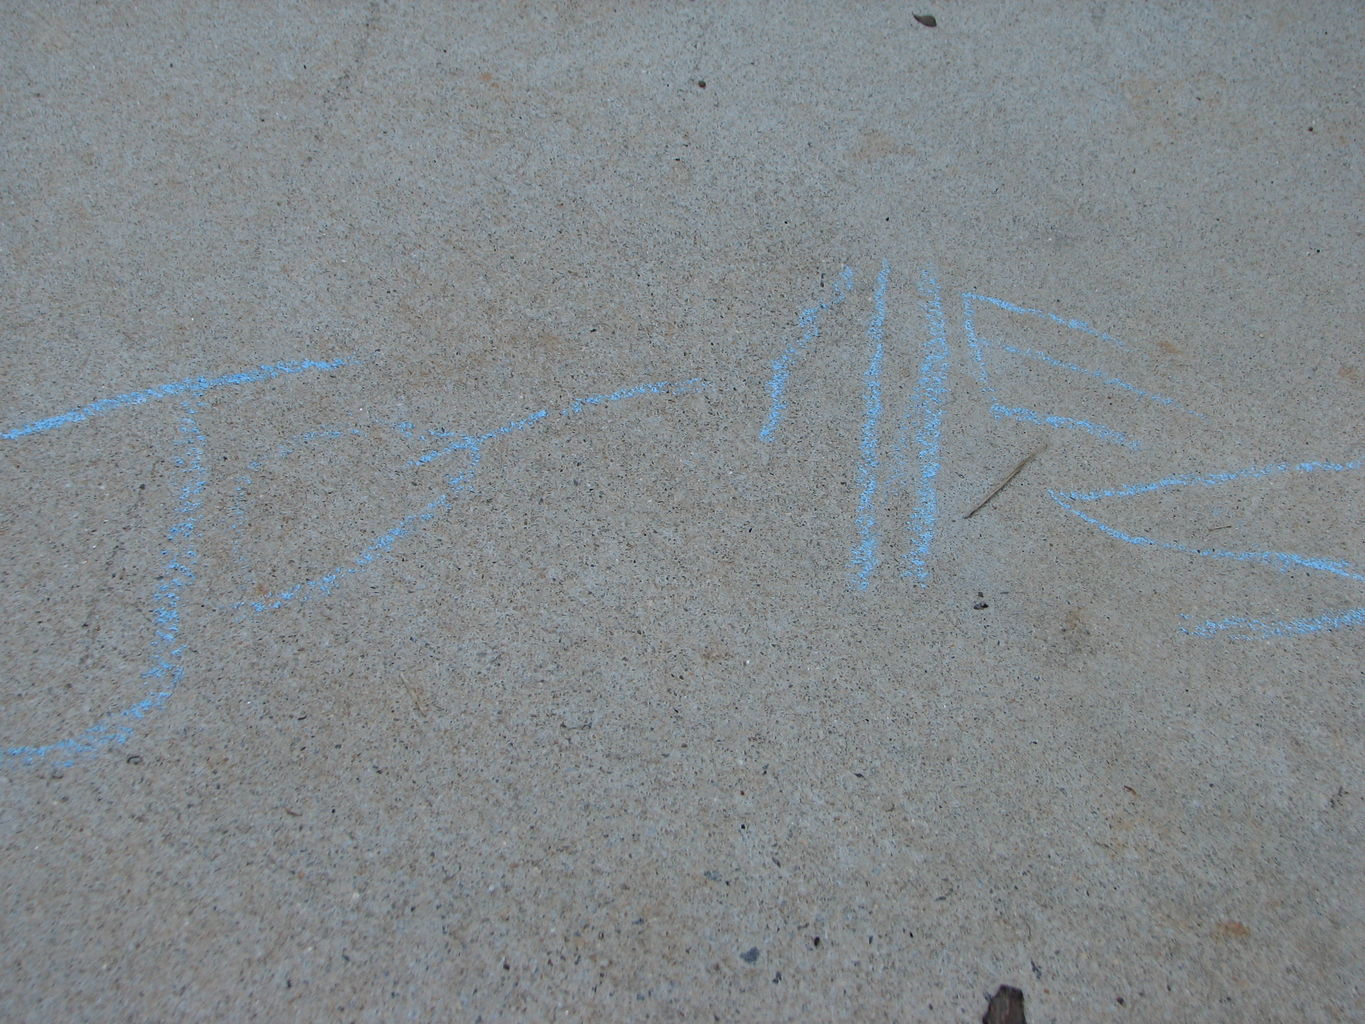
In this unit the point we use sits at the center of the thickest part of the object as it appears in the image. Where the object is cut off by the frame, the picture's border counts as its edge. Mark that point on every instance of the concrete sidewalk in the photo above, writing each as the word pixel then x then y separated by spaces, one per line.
pixel 486 494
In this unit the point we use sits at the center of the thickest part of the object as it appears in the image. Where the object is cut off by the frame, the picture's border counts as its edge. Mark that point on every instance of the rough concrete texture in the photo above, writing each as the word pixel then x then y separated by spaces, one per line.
pixel 484 489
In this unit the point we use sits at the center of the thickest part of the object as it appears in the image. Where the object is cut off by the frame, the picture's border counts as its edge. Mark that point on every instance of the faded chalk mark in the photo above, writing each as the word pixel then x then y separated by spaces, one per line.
pixel 810 321
pixel 926 406
pixel 166 669
pixel 188 386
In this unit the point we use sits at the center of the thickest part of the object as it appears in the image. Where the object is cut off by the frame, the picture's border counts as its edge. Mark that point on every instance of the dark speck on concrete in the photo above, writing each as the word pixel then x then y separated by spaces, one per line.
pixel 750 956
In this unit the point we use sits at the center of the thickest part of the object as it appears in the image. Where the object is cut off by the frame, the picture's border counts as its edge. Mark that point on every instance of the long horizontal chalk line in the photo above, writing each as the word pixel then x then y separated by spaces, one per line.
pixel 188 386
pixel 1282 560
pixel 1216 479
pixel 1256 629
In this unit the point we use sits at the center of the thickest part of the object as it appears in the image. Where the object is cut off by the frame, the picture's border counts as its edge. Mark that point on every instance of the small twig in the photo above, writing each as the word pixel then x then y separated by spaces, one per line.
pixel 1002 484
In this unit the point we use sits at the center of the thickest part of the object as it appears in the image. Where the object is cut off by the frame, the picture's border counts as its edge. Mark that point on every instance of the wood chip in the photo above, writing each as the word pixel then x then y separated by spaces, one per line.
pixel 1006 1007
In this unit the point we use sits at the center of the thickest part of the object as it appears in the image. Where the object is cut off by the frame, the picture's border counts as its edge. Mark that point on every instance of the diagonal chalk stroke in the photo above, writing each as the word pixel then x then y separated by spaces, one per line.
pixel 1073 324
pixel 1103 432
pixel 810 320
pixel 323 584
pixel 1113 382
pixel 188 386
pixel 1284 561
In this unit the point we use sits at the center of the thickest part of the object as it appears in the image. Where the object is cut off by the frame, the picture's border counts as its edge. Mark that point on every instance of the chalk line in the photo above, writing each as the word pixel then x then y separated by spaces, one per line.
pixel 1284 561
pixel 473 444
pixel 810 320
pixel 188 386
pixel 926 404
pixel 166 668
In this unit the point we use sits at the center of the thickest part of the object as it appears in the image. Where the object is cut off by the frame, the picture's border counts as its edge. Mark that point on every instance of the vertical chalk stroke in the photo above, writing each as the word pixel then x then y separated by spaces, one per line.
pixel 165 669
pixel 926 406
pixel 1284 561
pixel 810 321
pixel 865 558
pixel 979 346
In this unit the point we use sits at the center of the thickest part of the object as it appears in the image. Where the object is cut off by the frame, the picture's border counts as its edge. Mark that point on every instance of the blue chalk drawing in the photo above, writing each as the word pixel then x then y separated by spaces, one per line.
pixel 188 386
pixel 166 669
pixel 810 320
pixel 864 559
pixel 472 446
pixel 980 348
pixel 1284 561
pixel 911 467
pixel 920 432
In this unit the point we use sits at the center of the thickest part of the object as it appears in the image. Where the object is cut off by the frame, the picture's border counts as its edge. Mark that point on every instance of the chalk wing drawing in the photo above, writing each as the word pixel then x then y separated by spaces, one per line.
pixel 1076 380
pixel 1066 375
pixel 1089 506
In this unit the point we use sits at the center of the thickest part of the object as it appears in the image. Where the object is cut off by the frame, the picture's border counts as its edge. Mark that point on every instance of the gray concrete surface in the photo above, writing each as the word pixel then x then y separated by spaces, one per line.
pixel 484 494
